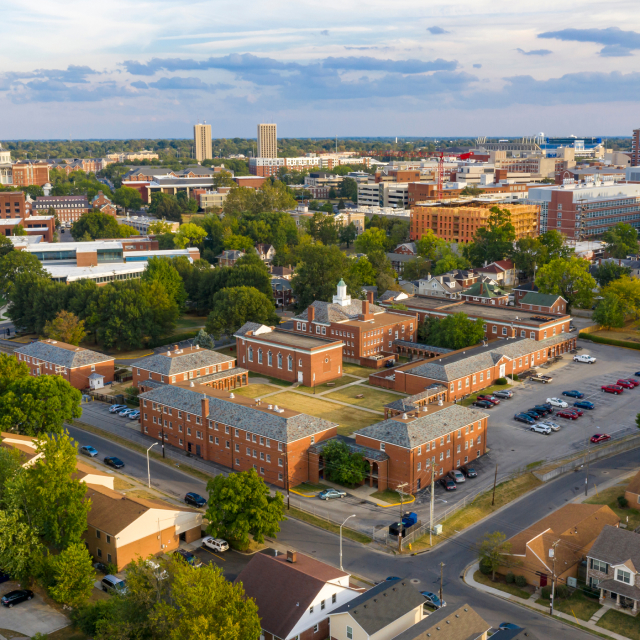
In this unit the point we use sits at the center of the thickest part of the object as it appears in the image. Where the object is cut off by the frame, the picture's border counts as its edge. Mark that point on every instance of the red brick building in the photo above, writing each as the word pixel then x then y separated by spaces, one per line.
pixel 74 364
pixel 68 208
pixel 28 172
pixel 12 204
pixel 207 367
pixel 14 211
pixel 253 182
pixel 543 302
pixel 287 355
pixel 100 202
pixel 233 431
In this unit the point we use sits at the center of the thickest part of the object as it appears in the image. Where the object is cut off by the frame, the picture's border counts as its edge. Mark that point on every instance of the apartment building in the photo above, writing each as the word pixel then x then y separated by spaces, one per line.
pixel 635 148
pixel 202 141
pixel 12 204
pixel 347 216
pixel 428 191
pixel 69 209
pixel 236 432
pixel 28 172
pixel 142 223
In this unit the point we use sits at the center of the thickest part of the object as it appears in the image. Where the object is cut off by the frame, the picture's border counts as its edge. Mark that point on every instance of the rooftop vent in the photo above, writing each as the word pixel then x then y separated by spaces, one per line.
pixel 197 346
pixel 168 353
pixel 404 416
pixel 191 384
pixel 231 395
pixel 270 407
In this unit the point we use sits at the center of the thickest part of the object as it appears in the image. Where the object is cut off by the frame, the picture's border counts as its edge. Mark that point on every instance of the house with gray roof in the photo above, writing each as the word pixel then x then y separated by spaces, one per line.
pixel 74 364
pixel 444 286
pixel 462 623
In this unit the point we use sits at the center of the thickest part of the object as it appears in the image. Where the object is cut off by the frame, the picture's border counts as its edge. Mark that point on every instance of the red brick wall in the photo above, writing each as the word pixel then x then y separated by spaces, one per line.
pixel 77 377
pixel 12 204
pixel 143 374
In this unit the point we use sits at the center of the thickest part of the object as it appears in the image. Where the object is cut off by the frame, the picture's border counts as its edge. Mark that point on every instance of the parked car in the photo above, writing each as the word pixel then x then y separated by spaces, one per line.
pixel 389 363
pixel 633 381
pixel 544 408
pixel 16 597
pixel 509 626
pixel 4 577
pixel 575 410
pixel 584 358
pixel 114 585
pixel 569 415
pixel 612 388
pixel 540 428
pixel 600 437
pixel 573 394
pixel 88 451
pixel 537 413
pixel 468 471
pixel 489 398
pixel 433 600
pixel 523 417
pixel 188 557
pixel 456 476
pixel 625 384
pixel 195 500
pixel 557 402
pixel 637 373
pixel 533 414
pixel 552 425
pixel 448 484
pixel 125 412
pixel 114 408
pixel 483 404
pixel 112 461
pixel 134 415
pixel 215 544
pixel 330 494
pixel 584 404
pixel 503 394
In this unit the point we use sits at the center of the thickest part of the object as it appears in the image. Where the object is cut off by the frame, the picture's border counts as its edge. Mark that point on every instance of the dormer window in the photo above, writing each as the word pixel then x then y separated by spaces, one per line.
pixel 623 576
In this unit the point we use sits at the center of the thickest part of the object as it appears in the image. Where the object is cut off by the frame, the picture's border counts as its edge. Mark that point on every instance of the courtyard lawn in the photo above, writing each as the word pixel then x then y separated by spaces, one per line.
pixel 228 351
pixel 621 623
pixel 500 584
pixel 373 397
pixel 189 323
pixel 489 390
pixel 328 385
pixel 309 488
pixel 610 497
pixel 578 605
pixel 348 419
pixel 392 497
pixel 356 370
pixel 628 333
pixel 255 390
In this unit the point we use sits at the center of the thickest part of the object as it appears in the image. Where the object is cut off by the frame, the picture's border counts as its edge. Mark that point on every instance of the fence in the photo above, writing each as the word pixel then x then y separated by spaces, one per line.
pixel 309 506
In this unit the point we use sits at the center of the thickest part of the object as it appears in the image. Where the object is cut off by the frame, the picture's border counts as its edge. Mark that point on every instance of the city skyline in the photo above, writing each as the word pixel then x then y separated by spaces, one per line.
pixel 404 70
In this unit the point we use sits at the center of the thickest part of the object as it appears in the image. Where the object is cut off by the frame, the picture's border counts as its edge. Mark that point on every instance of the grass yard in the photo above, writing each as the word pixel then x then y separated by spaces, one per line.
pixel 472 398
pixel 310 488
pixel 348 419
pixel 9 634
pixel 392 497
pixel 374 398
pixel 228 351
pixel 500 584
pixel 254 390
pixel 630 333
pixel 356 370
pixel 276 381
pixel 328 526
pixel 610 497
pixel 121 485
pixel 328 385
pixel 621 623
pixel 188 323
pixel 577 605
pixel 66 633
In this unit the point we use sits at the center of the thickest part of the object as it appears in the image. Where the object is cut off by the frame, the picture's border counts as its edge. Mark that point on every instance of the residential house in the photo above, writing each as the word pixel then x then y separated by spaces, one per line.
pixel 295 594
pixel 399 260
pixel 467 277
pixel 282 291
pixel 566 535
pixel 100 202
pixel 381 613
pixel 462 623
pixel 407 248
pixel 521 290
pixel 632 492
pixel 393 297
pixel 502 271
pixel 74 364
pixel 613 566
pixel 229 257
pixel 282 272
pixel 444 286
pixel 485 293
pixel 411 287
pixel 543 302
pixel 265 251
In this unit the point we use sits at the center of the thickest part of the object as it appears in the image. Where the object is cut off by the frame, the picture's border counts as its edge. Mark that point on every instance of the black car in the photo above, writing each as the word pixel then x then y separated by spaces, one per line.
pixel 16 597
pixel 543 408
pixel 4 577
pixel 112 461
pixel 541 413
pixel 468 471
pixel 524 417
pixel 195 500
pixel 483 404
pixel 532 414
pixel 448 484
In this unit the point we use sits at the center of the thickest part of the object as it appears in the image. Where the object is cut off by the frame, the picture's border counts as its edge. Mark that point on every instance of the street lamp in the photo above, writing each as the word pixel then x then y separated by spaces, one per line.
pixel 148 468
pixel 353 516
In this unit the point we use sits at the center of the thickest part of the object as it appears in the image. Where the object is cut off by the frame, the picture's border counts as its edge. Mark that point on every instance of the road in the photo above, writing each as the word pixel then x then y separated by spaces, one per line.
pixel 456 553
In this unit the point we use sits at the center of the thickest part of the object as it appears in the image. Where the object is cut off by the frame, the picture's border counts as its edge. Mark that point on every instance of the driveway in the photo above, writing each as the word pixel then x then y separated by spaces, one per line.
pixel 31 617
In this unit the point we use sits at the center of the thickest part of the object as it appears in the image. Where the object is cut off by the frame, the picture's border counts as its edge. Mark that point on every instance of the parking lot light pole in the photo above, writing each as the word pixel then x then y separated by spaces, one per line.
pixel 353 516
pixel 148 467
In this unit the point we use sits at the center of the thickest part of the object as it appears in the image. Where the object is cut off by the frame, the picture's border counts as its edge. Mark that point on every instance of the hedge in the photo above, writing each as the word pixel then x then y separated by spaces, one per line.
pixel 611 341
pixel 178 337
pixel 502 381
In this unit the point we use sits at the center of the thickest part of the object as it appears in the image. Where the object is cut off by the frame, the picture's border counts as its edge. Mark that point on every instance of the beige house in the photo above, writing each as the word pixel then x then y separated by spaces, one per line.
pixel 462 623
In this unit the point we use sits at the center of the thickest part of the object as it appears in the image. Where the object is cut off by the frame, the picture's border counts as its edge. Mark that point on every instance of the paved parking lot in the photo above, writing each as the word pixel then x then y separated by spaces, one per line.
pixel 30 617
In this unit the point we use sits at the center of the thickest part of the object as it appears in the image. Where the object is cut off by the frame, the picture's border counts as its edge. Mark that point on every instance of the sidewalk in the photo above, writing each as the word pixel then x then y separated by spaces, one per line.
pixel 588 626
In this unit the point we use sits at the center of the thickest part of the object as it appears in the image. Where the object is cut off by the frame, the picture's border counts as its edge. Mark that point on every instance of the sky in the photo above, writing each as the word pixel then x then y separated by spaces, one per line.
pixel 436 68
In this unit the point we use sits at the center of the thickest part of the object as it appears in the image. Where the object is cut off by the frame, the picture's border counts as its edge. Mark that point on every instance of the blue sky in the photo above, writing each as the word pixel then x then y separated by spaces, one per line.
pixel 116 69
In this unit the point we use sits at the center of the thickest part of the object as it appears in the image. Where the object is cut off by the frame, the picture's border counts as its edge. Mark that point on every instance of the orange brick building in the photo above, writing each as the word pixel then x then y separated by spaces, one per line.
pixel 28 172
pixel 68 208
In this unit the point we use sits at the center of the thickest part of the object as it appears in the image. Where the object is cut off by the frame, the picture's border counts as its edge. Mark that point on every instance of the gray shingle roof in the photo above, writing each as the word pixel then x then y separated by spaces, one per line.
pixel 426 427
pixel 626 590
pixel 408 403
pixel 460 624
pixel 248 326
pixel 227 373
pixel 330 312
pixel 615 546
pixel 259 421
pixel 172 365
pixel 70 357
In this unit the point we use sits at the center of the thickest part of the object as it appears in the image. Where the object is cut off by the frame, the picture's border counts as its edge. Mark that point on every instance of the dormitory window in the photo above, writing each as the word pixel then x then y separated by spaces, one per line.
pixel 250 354
pixel 279 361
pixel 290 363
pixel 270 359
pixel 259 356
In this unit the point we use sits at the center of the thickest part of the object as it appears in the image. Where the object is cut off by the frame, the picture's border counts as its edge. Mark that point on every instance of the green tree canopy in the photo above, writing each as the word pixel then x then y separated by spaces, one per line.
pixel 160 227
pixel 71 575
pixel 493 242
pixel 16 263
pixel 628 291
pixel 610 312
pixel 349 189
pixel 568 278
pixel 492 550
pixel 223 179
pixel 163 271
pixel 347 234
pixel 237 242
pixel 128 198
pixel 165 207
pixel 608 272
pixel 416 269
pixel 455 331
pixel 97 225
pixel 20 546
pixel 622 240
pixel 429 246
pixel 342 466
pixel 373 239
pixel 65 327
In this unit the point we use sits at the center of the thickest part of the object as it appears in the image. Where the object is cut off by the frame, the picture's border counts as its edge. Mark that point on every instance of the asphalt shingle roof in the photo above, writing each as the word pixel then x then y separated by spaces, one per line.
pixel 175 364
pixel 460 624
pixel 615 546
pixel 329 312
pixel 64 355
pixel 408 403
pixel 540 299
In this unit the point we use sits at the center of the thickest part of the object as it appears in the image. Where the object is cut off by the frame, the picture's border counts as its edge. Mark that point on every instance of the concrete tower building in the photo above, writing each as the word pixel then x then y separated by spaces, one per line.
pixel 202 141
pixel 267 141
pixel 635 148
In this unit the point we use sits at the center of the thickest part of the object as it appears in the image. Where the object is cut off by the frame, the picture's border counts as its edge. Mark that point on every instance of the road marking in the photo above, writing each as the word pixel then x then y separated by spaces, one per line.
pixel 212 553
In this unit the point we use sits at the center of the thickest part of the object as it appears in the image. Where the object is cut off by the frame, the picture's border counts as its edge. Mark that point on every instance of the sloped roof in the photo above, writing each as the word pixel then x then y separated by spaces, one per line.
pixel 615 546
pixel 460 624
pixel 62 354
pixel 484 290
pixel 176 363
pixel 329 312
pixel 541 299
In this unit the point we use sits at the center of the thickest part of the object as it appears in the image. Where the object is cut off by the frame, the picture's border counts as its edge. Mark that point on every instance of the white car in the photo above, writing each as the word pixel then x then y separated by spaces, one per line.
pixel 540 428
pixel 584 358
pixel 215 544
pixel 552 425
pixel 557 402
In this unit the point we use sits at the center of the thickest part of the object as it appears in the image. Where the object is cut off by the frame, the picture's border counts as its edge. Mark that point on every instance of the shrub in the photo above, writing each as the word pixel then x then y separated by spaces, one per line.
pixel 521 581
pixel 623 502
pixel 514 376
pixel 485 567
pixel 615 343
pixel 510 578
pixel 502 381
pixel 562 591
pixel 546 592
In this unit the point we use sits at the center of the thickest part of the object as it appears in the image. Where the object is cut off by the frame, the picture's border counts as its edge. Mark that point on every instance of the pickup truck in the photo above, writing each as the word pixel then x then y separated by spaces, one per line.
pixel 538 377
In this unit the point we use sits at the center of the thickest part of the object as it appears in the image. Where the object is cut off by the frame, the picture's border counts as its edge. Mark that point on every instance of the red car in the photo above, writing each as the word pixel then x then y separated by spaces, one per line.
pixel 625 384
pixel 575 410
pixel 489 398
pixel 565 413
pixel 612 388
pixel 600 437
pixel 635 383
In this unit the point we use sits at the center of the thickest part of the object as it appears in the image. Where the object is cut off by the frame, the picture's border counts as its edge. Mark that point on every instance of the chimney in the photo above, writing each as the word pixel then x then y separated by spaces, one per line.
pixel 205 407
pixel 292 556
pixel 370 297
pixel 365 307
pixel 311 313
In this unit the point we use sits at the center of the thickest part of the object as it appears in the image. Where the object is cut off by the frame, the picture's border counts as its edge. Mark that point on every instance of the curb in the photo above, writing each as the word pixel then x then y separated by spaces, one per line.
pixel 303 495
pixel 395 504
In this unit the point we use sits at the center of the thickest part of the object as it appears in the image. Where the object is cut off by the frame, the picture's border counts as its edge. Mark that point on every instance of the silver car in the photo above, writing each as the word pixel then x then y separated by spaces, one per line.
pixel 540 428
pixel 552 425
pixel 457 476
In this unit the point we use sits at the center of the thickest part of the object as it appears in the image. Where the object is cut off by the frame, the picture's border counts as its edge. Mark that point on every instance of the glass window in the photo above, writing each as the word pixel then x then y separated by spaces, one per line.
pixel 623 576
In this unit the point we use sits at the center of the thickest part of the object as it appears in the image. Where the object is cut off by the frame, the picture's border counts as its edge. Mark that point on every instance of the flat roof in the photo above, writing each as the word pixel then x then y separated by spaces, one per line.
pixel 78 273
pixel 77 246
pixel 291 339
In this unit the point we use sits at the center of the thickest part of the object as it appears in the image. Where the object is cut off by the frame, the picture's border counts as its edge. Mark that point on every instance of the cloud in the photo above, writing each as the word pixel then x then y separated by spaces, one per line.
pixel 187 84
pixel 365 63
pixel 535 52
pixel 73 73
pixel 477 66
pixel 436 31
pixel 324 32
pixel 138 84
pixel 617 42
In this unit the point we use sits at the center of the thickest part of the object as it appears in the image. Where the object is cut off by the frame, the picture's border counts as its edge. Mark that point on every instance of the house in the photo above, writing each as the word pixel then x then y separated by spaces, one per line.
pixel 282 291
pixel 613 566
pixel 462 623
pixel 399 260
pixel 485 293
pixel 522 290
pixel 121 527
pixel 502 271
pixel 295 594
pixel 444 286
pixel 393 296
pixel 381 613
pixel 207 367
pixel 543 302
pixel 410 286
pixel 74 364
pixel 229 257
pixel 466 277
pixel 565 535
pixel 282 272
pixel 632 492
pixel 407 248
pixel 100 202
pixel 265 251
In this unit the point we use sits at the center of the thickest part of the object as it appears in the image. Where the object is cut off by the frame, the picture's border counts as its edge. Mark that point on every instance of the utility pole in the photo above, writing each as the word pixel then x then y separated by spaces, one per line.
pixel 431 503
pixel 441 567
pixel 495 479
pixel 399 490
pixel 586 479
pixel 553 583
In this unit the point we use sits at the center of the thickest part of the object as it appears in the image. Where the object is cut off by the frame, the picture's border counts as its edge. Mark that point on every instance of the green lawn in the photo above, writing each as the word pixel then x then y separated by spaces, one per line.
pixel 392 497
pixel 621 623
pixel 610 497
pixel 472 398
pixel 500 584
pixel 577 605
pixel 310 488
pixel 255 390
pixel 356 370
pixel 329 526
pixel 374 398
pixel 328 385
pixel 187 323
pixel 228 351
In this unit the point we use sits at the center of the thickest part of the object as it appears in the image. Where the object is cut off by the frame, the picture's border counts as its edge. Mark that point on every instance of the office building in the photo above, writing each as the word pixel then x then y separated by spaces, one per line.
pixel 635 148
pixel 202 141
pixel 267 141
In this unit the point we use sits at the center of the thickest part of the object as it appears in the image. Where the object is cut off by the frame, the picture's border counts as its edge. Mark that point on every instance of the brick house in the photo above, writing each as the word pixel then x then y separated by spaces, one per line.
pixel 543 302
pixel 485 293
pixel 522 290
pixel 282 272
pixel 612 567
pixel 211 368
pixel 104 204
pixel 574 527
pixel 120 528
pixel 282 291
pixel 233 431
pixel 295 594
pixel 28 172
pixel 229 257
pixel 632 492
pixel 74 364
pixel 287 355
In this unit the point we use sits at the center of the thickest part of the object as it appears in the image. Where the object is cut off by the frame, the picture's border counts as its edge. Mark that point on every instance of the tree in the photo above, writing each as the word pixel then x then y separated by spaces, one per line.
pixel 348 234
pixel 471 190
pixel 416 269
pixel 608 272
pixel 6 246
pixel 342 466
pixel 554 245
pixel 18 230
pixel 455 331
pixel 14 264
pixel 448 260
pixel 349 189
pixel 237 242
pixel 492 551
pixel 72 575
pixel 168 208
pixel 128 198
pixel 341 205
pixel 204 340
pixel 65 327
pixel 159 227
pixel 96 224
pixel 161 270
pixel 360 273
pixel 223 179
pixel 568 278
pixel 318 273
pixel 373 239
pixel 20 547
pixel 240 505
pixel 622 240
pixel 234 306
pixel 333 194
pixel 610 312
pixel 494 241
pixel 628 291
pixel 429 246
pixel 526 255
